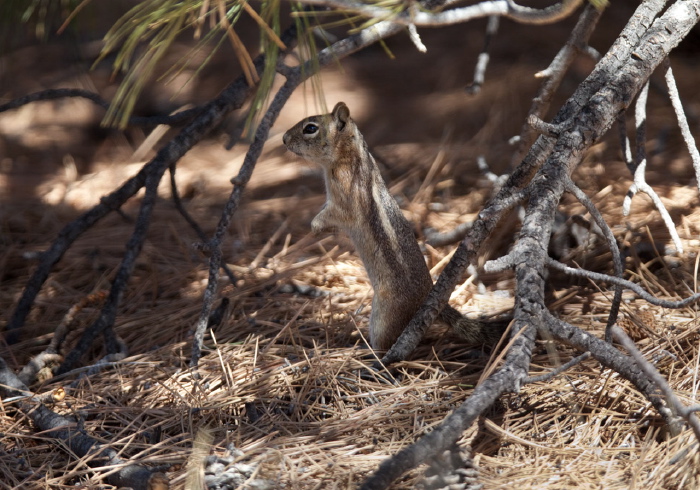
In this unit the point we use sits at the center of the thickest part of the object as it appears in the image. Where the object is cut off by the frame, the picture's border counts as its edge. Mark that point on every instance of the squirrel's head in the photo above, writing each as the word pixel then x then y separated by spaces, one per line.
pixel 323 139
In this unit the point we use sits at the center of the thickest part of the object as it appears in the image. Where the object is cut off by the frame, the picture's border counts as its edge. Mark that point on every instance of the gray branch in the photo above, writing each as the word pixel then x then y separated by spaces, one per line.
pixel 639 183
pixel 598 277
pixel 677 408
pixel 56 426
pixel 589 113
pixel 618 266
pixel 683 121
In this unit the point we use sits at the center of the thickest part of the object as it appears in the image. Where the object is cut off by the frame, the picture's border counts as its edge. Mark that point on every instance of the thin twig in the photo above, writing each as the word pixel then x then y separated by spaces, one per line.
pixel 482 61
pixel 682 120
pixel 618 267
pixel 190 220
pixel 133 248
pixel 557 371
pixel 230 207
pixel 598 277
pixel 677 408
pixel 639 183
pixel 544 128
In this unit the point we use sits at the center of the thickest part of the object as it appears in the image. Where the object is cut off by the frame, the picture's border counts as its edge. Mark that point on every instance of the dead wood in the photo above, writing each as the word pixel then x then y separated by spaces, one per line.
pixel 293 399
pixel 69 432
pixel 149 177
pixel 586 117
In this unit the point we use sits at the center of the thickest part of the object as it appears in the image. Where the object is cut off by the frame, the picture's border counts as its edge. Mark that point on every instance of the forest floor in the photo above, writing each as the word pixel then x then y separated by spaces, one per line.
pixel 284 376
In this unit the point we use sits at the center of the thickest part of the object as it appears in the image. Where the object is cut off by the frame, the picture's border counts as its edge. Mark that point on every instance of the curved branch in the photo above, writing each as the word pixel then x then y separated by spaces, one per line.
pixel 82 445
pixel 487 220
pixel 595 276
pixel 682 121
pixel 190 220
pixel 612 246
pixel 108 313
pixel 611 358
pixel 672 400
pixel 639 166
pixel 506 379
pixel 547 15
pixel 231 98
pixel 240 182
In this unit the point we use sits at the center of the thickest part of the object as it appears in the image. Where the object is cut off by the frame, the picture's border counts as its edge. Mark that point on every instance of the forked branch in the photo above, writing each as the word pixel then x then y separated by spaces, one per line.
pixel 589 114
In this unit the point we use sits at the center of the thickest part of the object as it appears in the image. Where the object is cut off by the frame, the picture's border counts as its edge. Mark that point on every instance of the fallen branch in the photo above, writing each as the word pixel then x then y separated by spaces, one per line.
pixel 583 120
pixel 675 405
pixel 58 427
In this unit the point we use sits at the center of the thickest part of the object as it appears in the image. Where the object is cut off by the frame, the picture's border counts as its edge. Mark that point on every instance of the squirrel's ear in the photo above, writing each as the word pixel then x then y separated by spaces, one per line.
pixel 341 114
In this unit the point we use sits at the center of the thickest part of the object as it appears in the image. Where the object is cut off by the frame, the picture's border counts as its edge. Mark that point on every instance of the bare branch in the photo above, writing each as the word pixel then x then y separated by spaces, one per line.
pixel 611 358
pixel 485 223
pixel 682 121
pixel 672 400
pixel 133 248
pixel 502 8
pixel 554 13
pixel 639 173
pixel 230 207
pixel 598 277
pixel 557 371
pixel 618 266
pixel 483 60
pixel 554 74
pixel 506 379
pixel 592 112
pixel 61 428
pixel 496 180
pixel 501 263
pixel 195 226
pixel 437 239
pixel 545 129
pixel 415 38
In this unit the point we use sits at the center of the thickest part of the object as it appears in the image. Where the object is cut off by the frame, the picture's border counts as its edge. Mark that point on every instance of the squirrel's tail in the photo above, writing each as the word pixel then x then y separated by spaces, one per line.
pixel 487 332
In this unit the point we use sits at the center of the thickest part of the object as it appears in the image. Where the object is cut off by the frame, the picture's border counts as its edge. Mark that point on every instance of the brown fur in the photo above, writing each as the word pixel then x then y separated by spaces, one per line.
pixel 359 204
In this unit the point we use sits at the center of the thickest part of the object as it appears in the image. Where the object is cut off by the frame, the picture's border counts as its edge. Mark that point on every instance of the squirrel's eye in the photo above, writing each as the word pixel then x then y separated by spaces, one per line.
pixel 310 128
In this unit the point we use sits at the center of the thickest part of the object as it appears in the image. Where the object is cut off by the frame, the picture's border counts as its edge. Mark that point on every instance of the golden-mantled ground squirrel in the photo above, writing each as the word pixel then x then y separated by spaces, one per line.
pixel 359 204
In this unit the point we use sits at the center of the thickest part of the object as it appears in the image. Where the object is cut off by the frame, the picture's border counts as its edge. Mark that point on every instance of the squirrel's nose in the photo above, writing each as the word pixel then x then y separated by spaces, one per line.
pixel 285 138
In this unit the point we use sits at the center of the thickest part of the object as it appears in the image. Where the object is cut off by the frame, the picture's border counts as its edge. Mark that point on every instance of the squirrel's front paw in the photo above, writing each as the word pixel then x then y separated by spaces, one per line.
pixel 319 226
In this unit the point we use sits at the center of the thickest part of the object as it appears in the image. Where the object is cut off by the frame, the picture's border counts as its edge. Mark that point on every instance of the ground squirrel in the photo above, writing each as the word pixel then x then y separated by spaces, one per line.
pixel 358 203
